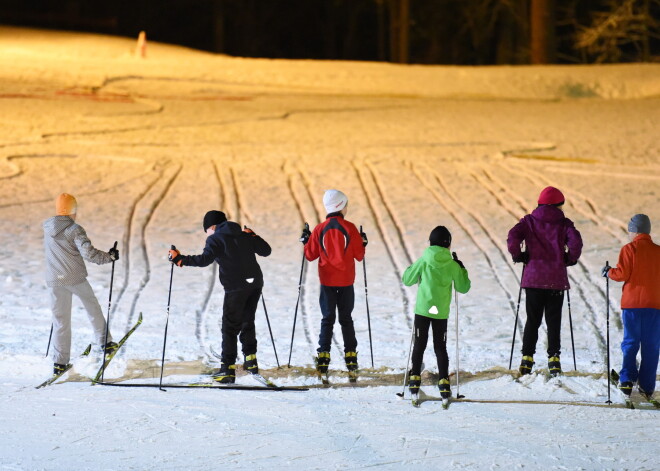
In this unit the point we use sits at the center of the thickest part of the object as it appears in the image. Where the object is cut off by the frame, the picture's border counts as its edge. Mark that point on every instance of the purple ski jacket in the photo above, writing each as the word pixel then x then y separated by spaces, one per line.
pixel 552 242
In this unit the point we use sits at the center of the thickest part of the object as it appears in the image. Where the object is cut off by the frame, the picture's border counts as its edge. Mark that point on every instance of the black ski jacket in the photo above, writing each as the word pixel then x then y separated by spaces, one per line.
pixel 234 250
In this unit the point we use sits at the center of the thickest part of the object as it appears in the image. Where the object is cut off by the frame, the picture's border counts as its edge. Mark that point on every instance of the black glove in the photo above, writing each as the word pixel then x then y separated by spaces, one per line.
pixel 175 257
pixel 605 269
pixel 460 264
pixel 567 260
pixel 522 258
pixel 304 237
pixel 114 253
pixel 365 241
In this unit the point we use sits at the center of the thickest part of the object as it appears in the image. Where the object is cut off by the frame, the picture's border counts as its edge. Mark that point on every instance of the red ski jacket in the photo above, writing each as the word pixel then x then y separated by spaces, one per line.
pixel 639 269
pixel 337 244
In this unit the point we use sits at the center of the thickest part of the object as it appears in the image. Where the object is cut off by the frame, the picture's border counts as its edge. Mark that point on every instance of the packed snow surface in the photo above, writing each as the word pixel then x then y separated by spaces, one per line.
pixel 148 145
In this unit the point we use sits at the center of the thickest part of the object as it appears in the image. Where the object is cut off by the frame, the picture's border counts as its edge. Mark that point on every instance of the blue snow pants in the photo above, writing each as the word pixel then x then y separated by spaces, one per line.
pixel 641 328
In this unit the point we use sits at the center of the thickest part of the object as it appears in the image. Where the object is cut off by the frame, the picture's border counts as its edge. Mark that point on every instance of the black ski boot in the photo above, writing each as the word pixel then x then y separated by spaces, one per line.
pixel 554 365
pixel 351 361
pixel 109 348
pixel 322 362
pixel 645 394
pixel 526 365
pixel 250 364
pixel 414 383
pixel 59 368
pixel 626 387
pixel 445 389
pixel 226 374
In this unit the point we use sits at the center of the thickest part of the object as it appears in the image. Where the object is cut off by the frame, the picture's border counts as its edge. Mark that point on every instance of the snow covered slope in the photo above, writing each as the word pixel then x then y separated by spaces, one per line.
pixel 149 145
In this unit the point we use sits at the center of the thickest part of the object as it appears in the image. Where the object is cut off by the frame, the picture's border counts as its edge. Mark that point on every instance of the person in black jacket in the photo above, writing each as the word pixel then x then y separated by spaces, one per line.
pixel 234 250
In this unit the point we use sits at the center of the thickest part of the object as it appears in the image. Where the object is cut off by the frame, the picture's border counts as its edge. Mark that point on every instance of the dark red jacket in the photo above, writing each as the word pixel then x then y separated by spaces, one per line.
pixel 337 243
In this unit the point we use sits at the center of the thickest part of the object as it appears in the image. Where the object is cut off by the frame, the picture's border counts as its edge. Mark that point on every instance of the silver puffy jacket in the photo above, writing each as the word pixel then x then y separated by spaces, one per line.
pixel 66 245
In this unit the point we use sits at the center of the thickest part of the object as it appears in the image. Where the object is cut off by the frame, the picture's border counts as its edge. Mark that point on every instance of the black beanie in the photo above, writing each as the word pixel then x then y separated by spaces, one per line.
pixel 213 218
pixel 441 237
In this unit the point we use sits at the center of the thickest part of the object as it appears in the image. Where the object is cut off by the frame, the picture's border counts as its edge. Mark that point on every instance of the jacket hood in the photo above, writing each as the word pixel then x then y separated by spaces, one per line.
pixel 229 228
pixel 546 213
pixel 437 255
pixel 56 225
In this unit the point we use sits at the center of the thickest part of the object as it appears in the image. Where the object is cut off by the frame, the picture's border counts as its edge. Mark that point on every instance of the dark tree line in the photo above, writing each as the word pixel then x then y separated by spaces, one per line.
pixel 470 32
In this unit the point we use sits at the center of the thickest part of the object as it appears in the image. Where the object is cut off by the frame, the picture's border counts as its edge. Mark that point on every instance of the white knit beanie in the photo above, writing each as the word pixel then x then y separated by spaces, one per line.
pixel 334 200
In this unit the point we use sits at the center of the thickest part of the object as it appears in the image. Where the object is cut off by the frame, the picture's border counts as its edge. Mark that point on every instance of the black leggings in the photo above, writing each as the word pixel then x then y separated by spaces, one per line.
pixel 538 302
pixel 422 324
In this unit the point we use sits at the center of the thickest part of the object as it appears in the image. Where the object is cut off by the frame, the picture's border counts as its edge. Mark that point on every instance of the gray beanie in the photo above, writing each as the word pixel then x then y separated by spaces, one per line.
pixel 640 223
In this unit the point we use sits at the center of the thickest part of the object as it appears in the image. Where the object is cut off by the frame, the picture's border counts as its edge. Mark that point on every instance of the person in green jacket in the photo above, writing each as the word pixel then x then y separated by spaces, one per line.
pixel 434 272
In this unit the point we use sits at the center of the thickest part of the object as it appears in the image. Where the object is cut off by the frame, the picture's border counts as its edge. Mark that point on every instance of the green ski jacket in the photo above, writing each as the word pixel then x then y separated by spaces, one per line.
pixel 435 271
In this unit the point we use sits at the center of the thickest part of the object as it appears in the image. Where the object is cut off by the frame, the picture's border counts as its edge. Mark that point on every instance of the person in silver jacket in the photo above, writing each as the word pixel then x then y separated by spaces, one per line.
pixel 66 248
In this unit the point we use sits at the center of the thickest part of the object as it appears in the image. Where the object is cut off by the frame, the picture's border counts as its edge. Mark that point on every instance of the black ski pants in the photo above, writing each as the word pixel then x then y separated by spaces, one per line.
pixel 422 324
pixel 339 299
pixel 539 301
pixel 238 321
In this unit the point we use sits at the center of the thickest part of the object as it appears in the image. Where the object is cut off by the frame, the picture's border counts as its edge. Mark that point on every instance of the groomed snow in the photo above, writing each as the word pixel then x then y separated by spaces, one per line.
pixel 149 145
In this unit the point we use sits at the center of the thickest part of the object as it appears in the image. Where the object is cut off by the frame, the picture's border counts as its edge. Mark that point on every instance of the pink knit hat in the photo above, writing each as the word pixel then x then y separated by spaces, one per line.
pixel 551 195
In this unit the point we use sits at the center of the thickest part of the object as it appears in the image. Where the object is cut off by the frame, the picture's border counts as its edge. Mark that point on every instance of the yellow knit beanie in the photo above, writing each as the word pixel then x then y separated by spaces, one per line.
pixel 66 205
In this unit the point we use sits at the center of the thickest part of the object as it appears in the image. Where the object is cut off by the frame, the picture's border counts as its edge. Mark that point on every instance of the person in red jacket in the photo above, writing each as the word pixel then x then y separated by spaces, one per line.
pixel 337 243
pixel 639 269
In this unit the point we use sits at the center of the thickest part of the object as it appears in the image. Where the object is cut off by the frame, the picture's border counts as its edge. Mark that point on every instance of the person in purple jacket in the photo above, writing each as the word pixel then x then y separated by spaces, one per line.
pixel 551 244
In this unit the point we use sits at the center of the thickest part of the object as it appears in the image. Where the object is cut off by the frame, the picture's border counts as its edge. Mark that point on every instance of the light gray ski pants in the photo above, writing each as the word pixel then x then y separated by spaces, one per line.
pixel 60 301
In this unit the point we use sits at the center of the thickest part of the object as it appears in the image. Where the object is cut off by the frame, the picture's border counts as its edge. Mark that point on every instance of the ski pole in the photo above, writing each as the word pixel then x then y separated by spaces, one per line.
pixel 405 374
pixel 515 325
pixel 167 320
pixel 107 322
pixel 366 298
pixel 295 315
pixel 607 304
pixel 458 393
pixel 570 323
pixel 263 301
pixel 49 339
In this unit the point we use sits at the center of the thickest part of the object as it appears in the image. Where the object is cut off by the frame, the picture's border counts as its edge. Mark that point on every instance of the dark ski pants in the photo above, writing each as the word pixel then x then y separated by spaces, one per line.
pixel 537 302
pixel 641 328
pixel 339 299
pixel 238 318
pixel 422 324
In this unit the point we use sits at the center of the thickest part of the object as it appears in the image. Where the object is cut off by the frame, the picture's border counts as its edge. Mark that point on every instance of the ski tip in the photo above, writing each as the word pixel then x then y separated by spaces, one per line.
pixel 139 321
pixel 87 350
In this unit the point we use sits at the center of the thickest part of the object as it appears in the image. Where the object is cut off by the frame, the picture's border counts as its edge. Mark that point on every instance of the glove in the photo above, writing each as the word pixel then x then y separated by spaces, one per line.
pixel 175 257
pixel 605 270
pixel 522 258
pixel 365 241
pixel 248 231
pixel 304 237
pixel 114 253
pixel 567 260
pixel 460 264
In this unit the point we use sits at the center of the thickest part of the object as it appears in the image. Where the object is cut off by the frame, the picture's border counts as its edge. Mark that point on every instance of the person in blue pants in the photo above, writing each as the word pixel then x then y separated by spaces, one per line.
pixel 639 268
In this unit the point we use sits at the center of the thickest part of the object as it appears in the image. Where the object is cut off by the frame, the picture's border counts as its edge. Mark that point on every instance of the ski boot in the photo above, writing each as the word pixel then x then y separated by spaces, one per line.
pixel 649 397
pixel 414 382
pixel 352 365
pixel 322 363
pixel 250 364
pixel 445 391
pixel 59 368
pixel 626 387
pixel 554 365
pixel 226 374
pixel 109 348
pixel 526 365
